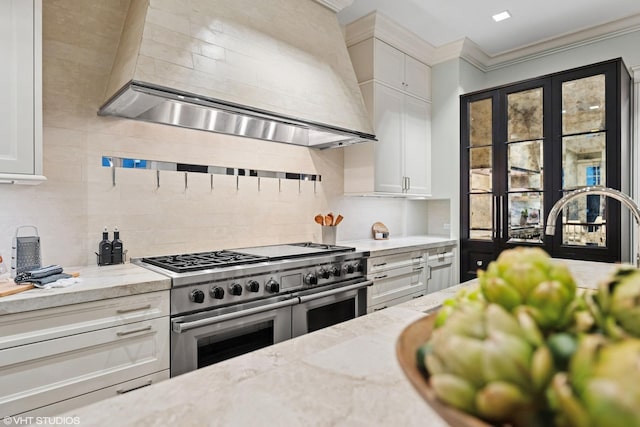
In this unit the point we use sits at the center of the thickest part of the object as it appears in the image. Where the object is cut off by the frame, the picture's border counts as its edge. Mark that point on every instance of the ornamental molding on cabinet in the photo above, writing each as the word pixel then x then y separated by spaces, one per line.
pixel 335 5
pixel 384 28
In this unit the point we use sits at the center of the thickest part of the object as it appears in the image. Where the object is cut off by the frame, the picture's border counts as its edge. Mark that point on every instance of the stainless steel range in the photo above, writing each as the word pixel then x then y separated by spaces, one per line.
pixel 230 302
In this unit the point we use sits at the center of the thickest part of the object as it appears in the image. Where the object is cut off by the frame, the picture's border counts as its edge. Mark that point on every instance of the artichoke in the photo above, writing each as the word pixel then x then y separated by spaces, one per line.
pixel 602 386
pixel 528 278
pixel 481 361
pixel 616 306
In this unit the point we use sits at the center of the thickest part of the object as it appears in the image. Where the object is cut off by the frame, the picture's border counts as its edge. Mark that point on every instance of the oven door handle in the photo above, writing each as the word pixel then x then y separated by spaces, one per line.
pixel 359 285
pixel 177 325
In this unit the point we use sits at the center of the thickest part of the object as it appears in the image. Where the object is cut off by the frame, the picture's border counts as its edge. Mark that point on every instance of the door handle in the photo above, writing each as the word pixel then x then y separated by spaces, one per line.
pixel 130 310
pixel 135 331
pixel 501 222
pixel 495 218
pixel 339 290
pixel 127 390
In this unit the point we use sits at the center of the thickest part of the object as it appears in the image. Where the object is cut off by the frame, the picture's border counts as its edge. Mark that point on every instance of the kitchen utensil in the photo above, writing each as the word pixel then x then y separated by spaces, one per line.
pixel 380 231
pixel 328 220
pixel 9 287
pixel 25 252
pixel 410 339
pixel 338 220
pixel 319 219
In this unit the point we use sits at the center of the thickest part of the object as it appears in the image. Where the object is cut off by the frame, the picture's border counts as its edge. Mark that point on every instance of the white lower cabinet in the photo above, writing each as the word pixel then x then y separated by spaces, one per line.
pixel 73 355
pixel 94 396
pixel 440 265
pixel 396 278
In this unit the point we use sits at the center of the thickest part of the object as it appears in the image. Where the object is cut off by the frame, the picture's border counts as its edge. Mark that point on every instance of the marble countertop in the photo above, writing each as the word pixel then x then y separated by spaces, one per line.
pixel 344 375
pixel 96 283
pixel 399 244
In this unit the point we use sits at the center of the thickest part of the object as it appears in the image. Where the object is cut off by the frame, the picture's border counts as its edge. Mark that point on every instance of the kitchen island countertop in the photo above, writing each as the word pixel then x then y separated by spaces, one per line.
pixel 344 375
pixel 96 283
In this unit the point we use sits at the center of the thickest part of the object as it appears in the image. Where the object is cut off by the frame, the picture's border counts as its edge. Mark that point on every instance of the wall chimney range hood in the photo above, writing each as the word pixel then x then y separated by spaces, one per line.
pixel 275 70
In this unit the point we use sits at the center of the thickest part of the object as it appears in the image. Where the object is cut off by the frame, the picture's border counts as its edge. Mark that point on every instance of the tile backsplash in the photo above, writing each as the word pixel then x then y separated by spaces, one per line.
pixel 71 208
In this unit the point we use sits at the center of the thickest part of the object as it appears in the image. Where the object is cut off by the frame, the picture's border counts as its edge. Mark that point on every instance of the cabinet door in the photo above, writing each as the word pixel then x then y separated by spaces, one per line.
pixel 388 123
pixel 17 87
pixel 46 372
pixel 417 145
pixel 417 78
pixel 389 65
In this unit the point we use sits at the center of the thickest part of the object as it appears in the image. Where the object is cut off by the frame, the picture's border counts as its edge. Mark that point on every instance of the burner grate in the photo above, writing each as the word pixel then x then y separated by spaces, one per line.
pixel 202 260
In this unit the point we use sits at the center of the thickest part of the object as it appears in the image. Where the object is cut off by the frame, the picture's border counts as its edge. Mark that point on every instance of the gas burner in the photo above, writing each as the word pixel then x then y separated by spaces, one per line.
pixel 183 263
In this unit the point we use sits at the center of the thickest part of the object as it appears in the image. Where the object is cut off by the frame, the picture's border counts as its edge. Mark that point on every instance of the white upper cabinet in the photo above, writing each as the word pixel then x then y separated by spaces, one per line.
pixel 401 71
pixel 396 91
pixel 21 88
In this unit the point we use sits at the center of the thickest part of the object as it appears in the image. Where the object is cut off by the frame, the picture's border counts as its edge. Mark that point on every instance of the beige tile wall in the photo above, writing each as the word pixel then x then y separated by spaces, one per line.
pixel 70 209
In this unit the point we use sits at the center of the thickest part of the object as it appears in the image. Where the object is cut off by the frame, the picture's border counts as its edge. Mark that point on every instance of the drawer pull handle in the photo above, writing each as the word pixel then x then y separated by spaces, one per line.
pixel 384 276
pixel 129 310
pixel 417 296
pixel 380 308
pixel 380 265
pixel 135 331
pixel 418 268
pixel 127 390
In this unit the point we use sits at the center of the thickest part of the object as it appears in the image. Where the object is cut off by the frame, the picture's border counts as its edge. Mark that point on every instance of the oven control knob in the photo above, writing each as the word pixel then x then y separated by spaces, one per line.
pixel 335 271
pixel 216 292
pixel 324 273
pixel 253 286
pixel 349 269
pixel 310 279
pixel 359 267
pixel 235 289
pixel 197 296
pixel 272 286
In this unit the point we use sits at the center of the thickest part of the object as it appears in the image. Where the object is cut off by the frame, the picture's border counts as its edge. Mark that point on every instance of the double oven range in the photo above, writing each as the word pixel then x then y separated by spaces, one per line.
pixel 227 303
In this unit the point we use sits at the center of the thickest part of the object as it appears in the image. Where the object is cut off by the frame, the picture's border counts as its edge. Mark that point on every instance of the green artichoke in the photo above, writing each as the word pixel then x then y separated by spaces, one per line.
pixel 602 386
pixel 480 361
pixel 527 277
pixel 616 306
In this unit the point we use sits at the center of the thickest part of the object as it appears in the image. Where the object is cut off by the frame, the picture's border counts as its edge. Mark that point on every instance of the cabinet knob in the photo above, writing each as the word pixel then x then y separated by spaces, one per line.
pixel 479 263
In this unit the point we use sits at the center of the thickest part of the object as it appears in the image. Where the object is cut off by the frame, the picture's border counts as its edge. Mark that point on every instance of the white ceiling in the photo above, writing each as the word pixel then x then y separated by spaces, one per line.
pixel 441 22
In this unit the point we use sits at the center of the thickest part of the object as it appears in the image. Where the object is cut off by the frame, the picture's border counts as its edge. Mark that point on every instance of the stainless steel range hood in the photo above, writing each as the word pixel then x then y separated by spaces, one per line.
pixel 275 70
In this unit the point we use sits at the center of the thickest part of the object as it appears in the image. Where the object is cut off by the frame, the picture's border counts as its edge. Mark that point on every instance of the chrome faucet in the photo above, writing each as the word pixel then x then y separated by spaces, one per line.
pixel 550 229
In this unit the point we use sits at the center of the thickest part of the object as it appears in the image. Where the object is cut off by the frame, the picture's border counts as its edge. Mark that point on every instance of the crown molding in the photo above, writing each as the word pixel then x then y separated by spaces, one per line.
pixel 384 28
pixel 472 53
pixel 335 5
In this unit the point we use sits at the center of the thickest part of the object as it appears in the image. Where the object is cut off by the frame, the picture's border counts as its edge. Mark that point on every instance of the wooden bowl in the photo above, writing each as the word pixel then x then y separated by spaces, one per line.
pixel 411 338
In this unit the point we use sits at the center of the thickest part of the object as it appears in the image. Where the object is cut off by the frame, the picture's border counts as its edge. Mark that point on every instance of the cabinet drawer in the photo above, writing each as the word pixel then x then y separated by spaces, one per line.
pixel 388 262
pixel 395 301
pixel 39 325
pixel 96 396
pixel 391 288
pixel 46 372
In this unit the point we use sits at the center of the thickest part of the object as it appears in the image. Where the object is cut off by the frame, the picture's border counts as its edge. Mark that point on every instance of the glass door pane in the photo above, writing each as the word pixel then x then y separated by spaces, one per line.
pixel 583 105
pixel 525 217
pixel 525 115
pixel 481 170
pixel 584 143
pixel 525 166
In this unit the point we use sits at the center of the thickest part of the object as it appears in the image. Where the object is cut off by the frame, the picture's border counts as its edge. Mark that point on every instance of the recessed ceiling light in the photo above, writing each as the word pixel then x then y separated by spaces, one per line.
pixel 501 16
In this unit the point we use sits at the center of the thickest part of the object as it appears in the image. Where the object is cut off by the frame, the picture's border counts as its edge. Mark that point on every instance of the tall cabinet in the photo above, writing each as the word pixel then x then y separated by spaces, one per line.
pixel 397 92
pixel 525 145
pixel 21 88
